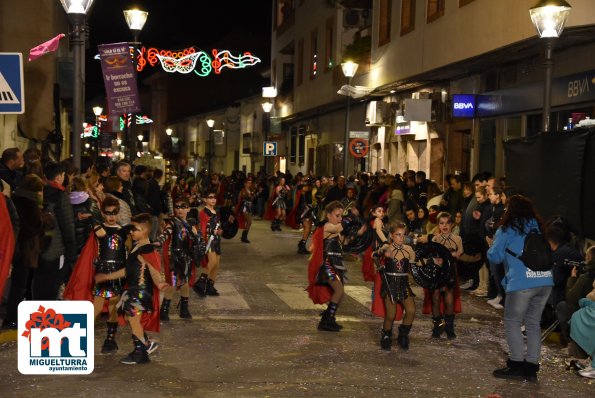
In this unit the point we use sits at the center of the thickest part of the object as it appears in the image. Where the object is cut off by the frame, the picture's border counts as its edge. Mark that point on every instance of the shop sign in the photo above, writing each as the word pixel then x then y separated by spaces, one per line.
pixel 463 105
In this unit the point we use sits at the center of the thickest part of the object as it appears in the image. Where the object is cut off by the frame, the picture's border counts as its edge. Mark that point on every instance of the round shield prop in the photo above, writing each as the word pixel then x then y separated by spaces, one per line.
pixel 360 243
pixel 426 272
pixel 230 228
pixel 471 260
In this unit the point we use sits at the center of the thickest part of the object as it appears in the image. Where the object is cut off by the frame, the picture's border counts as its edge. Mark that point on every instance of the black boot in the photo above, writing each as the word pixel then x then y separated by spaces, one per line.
pixel 200 287
pixel 386 340
pixel 530 371
pixel 274 225
pixel 327 323
pixel 164 310
pixel 151 345
pixel 139 355
pixel 211 291
pixel 449 328
pixel 302 247
pixel 403 337
pixel 513 370
pixel 245 237
pixel 278 225
pixel 438 327
pixel 183 304
pixel 109 345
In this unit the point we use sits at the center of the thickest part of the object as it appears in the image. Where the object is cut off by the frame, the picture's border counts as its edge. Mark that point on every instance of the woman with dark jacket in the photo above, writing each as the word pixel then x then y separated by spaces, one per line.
pixel 527 291
pixel 34 222
pixel 83 216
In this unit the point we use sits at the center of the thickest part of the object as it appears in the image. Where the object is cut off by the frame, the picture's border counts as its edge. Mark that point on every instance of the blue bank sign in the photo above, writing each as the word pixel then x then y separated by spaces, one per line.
pixel 12 90
pixel 463 105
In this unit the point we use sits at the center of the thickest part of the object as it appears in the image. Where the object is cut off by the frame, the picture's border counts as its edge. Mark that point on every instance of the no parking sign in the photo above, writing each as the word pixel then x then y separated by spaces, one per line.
pixel 359 147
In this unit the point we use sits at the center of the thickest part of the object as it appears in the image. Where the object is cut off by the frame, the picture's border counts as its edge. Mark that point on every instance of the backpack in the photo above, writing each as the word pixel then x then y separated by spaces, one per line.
pixel 537 254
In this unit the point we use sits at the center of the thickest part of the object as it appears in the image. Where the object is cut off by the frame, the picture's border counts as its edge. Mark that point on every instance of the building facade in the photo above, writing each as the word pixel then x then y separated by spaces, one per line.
pixel 416 56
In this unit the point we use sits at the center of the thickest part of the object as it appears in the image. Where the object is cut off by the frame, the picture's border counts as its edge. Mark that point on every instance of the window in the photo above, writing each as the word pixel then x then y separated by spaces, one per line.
pixel 293 145
pixel 464 2
pixel 300 60
pixel 313 54
pixel 384 23
pixel 301 145
pixel 407 16
pixel 329 46
pixel 435 10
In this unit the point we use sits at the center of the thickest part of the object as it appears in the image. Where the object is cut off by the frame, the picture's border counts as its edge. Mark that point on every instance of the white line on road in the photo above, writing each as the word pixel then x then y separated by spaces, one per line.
pixel 294 296
pixel 229 299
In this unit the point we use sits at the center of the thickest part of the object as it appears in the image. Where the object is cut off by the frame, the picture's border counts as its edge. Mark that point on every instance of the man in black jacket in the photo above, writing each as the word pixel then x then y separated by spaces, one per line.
pixel 52 267
pixel 12 159
pixel 123 171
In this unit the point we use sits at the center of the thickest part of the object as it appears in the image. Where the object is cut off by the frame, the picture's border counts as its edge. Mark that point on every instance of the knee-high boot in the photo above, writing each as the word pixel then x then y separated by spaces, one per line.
pixel 164 310
pixel 110 345
pixel 449 328
pixel 403 337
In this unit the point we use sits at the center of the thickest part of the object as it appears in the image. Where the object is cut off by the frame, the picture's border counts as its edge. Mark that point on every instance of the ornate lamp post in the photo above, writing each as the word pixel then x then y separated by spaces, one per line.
pixel 76 11
pixel 135 19
pixel 97 110
pixel 270 93
pixel 349 68
pixel 549 18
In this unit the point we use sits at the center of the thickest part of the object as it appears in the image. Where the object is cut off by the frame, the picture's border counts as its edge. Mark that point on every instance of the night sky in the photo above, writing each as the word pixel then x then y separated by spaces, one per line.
pixel 178 24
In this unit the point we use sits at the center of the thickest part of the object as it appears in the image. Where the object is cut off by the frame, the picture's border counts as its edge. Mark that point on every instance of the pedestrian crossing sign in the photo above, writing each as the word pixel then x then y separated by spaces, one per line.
pixel 12 89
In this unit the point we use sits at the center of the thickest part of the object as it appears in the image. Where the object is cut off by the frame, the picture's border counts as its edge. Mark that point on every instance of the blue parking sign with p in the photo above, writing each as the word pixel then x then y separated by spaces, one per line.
pixel 12 93
pixel 270 148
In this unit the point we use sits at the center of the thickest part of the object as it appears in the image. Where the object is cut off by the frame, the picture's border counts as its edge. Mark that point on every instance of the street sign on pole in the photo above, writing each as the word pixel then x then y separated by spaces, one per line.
pixel 359 134
pixel 269 148
pixel 12 89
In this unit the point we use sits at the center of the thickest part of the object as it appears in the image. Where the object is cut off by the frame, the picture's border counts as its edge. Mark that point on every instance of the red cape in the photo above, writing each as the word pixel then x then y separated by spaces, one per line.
pixel 319 294
pixel 150 320
pixel 368 270
pixel 240 215
pixel 269 212
pixel 6 243
pixel 82 278
pixel 378 306
pixel 457 305
pixel 291 219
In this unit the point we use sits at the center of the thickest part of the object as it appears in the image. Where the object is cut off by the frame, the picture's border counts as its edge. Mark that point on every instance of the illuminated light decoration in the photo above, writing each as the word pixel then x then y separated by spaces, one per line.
pixel 143 119
pixel 122 123
pixel 102 118
pixel 190 60
pixel 90 130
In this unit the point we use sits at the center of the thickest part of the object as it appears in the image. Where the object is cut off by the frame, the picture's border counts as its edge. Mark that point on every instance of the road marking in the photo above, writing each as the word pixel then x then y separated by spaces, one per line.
pixel 361 294
pixel 229 299
pixel 294 296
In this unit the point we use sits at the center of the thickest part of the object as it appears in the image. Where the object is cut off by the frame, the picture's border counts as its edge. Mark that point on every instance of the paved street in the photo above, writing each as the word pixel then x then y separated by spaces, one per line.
pixel 259 339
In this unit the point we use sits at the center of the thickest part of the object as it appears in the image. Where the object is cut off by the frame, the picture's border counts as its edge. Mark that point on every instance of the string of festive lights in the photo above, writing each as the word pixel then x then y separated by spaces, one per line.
pixel 185 61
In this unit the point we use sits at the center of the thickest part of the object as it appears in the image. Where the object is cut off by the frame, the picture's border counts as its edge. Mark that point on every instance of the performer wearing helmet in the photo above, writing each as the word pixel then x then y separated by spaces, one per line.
pixel 178 238
pixel 326 271
pixel 446 301
pixel 392 284
pixel 210 223
pixel 280 204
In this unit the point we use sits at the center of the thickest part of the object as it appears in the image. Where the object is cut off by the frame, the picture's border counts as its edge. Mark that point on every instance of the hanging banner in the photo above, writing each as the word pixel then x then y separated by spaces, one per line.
pixel 119 78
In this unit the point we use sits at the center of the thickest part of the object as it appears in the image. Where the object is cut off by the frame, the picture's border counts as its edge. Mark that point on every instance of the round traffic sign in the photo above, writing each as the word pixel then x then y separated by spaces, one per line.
pixel 359 147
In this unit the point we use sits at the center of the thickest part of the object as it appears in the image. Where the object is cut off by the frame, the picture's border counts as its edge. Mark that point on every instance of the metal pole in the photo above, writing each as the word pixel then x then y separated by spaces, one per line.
pixel 78 23
pixel 547 90
pixel 132 129
pixel 346 140
pixel 267 125
pixel 210 149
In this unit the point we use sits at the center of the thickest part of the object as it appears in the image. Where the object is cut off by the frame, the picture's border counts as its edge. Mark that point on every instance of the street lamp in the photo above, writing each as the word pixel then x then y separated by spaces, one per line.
pixel 168 131
pixel 135 19
pixel 549 18
pixel 270 93
pixel 76 11
pixel 211 124
pixel 97 110
pixel 349 68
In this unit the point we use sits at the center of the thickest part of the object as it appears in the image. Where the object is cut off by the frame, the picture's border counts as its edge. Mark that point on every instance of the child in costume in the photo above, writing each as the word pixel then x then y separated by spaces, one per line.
pixel 178 239
pixel 326 271
pixel 104 253
pixel 444 302
pixel 143 282
pixel 392 284
pixel 210 223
